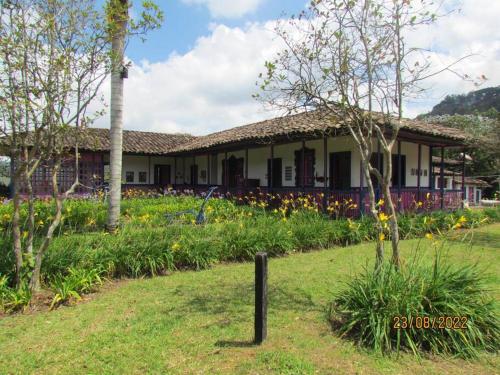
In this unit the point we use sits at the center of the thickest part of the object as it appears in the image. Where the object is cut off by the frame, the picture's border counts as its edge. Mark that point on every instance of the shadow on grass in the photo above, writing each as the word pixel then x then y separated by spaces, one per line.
pixel 234 344
pixel 478 238
pixel 236 299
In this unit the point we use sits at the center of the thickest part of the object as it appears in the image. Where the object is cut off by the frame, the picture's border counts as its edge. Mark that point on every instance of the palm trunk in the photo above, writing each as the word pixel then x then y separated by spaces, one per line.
pixel 116 130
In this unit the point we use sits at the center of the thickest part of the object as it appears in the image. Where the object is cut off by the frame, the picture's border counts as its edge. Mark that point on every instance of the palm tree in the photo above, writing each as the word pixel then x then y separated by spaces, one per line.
pixel 118 16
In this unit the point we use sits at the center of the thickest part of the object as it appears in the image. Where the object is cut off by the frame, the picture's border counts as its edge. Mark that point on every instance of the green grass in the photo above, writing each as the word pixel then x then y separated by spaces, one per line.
pixel 202 322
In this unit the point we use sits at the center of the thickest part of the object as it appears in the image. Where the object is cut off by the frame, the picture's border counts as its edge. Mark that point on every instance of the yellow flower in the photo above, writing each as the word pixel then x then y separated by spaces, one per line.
pixel 429 236
pixel 383 217
pixel 420 204
pixel 381 237
pixel 428 195
pixel 25 234
pixel 462 219
pixel 284 219
pixel 40 222
pixel 380 202
pixel 176 246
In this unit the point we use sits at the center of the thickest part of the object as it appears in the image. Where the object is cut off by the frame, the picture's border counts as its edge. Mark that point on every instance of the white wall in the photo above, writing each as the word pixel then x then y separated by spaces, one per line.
pixel 139 163
pixel 258 160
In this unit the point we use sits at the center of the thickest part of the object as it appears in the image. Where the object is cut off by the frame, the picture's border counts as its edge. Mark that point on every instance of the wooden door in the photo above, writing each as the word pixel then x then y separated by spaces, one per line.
pixel 162 175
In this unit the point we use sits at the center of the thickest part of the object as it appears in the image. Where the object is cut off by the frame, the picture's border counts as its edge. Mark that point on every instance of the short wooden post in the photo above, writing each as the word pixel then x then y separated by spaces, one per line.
pixel 260 297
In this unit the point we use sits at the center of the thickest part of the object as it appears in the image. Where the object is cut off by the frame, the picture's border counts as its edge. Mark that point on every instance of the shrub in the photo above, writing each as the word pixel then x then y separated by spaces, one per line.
pixel 368 309
pixel 13 299
pixel 72 285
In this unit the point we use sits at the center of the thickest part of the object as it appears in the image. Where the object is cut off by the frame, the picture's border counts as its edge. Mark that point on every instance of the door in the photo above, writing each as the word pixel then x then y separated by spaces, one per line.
pixel 162 175
pixel 193 173
pixel 340 170
pixel 234 172
pixel 276 173
pixel 304 168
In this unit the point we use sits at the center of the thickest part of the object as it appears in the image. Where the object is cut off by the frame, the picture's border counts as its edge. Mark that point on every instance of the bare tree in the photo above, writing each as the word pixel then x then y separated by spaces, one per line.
pixel 120 27
pixel 54 59
pixel 349 60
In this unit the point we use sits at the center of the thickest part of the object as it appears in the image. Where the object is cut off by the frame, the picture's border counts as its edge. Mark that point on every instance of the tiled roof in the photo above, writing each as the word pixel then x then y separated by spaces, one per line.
pixel 303 124
pixel 306 123
pixel 134 142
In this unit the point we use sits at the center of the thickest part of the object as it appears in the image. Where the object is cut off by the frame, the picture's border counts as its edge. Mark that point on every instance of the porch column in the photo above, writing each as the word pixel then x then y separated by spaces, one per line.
pixel 193 177
pixel 208 169
pixel 463 175
pixel 183 170
pixel 271 170
pixel 431 170
pixel 225 171
pixel 325 171
pixel 399 175
pixel 303 165
pixel 419 168
pixel 246 167
pixel 149 170
pixel 175 171
pixel 441 172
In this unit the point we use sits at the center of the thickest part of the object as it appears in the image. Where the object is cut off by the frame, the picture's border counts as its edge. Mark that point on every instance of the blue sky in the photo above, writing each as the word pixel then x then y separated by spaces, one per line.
pixel 197 73
pixel 185 23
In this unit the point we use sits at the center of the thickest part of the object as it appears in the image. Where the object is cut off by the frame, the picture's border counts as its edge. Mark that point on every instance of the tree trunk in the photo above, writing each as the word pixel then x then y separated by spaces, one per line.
pixel 393 226
pixel 379 257
pixel 16 231
pixel 116 111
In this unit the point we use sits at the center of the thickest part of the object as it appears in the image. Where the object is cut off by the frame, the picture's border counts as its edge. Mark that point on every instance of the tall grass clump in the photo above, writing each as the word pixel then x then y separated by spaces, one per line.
pixel 374 308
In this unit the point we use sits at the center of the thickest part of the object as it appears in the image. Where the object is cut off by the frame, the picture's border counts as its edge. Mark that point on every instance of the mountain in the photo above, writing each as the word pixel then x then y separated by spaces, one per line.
pixel 479 101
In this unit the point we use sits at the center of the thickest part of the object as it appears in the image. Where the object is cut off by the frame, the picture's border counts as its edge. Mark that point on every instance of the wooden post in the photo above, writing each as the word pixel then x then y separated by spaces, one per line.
pixel 225 171
pixel 175 172
pixel 442 177
pixel 260 297
pixel 193 177
pixel 419 170
pixel 303 165
pixel 431 170
pixel 399 175
pixel 246 168
pixel 149 170
pixel 271 170
pixel 208 169
pixel 183 170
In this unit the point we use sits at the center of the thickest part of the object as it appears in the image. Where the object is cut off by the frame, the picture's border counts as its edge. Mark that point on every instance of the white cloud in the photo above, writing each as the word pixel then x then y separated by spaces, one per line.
pixel 473 30
pixel 227 8
pixel 210 87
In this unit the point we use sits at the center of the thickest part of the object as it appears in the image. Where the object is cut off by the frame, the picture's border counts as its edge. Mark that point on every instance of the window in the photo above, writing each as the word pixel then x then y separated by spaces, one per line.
pixel 288 173
pixel 129 177
pixel 143 177
pixel 396 168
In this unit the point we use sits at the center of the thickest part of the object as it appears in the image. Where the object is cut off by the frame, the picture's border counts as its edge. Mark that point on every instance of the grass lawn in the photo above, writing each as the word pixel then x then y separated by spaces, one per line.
pixel 202 322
